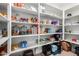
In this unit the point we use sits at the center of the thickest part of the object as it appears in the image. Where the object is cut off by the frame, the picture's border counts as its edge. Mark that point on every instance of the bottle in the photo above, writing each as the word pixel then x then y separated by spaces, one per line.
pixel 4 32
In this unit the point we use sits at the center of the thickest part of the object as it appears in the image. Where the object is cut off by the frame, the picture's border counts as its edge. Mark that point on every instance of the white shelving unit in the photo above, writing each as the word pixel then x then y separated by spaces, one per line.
pixel 72 25
pixel 43 12
pixel 26 11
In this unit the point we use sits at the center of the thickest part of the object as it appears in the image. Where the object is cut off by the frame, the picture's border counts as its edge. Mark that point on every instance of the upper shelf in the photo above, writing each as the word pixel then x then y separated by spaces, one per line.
pixel 24 10
pixel 48 10
pixel 74 12
pixel 35 13
pixel 50 15
pixel 77 15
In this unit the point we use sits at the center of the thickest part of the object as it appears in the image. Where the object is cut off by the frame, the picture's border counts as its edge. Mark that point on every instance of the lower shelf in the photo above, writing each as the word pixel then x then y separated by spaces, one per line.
pixel 30 47
pixel 25 35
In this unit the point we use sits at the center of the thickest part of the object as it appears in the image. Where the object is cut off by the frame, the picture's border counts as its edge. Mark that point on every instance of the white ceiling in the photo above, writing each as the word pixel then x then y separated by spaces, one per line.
pixel 63 6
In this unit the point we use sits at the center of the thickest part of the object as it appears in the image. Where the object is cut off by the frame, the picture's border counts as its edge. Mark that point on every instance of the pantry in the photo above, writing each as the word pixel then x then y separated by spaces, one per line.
pixel 38 29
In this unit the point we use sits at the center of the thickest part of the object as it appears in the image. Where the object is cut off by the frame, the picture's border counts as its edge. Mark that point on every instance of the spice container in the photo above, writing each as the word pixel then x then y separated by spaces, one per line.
pixel 21 5
pixel 15 46
pixel 13 18
pixel 29 31
pixel 15 30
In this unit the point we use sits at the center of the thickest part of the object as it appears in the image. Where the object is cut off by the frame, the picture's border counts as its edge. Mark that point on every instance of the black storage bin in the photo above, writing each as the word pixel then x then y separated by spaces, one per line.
pixel 77 50
pixel 28 53
pixel 46 50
